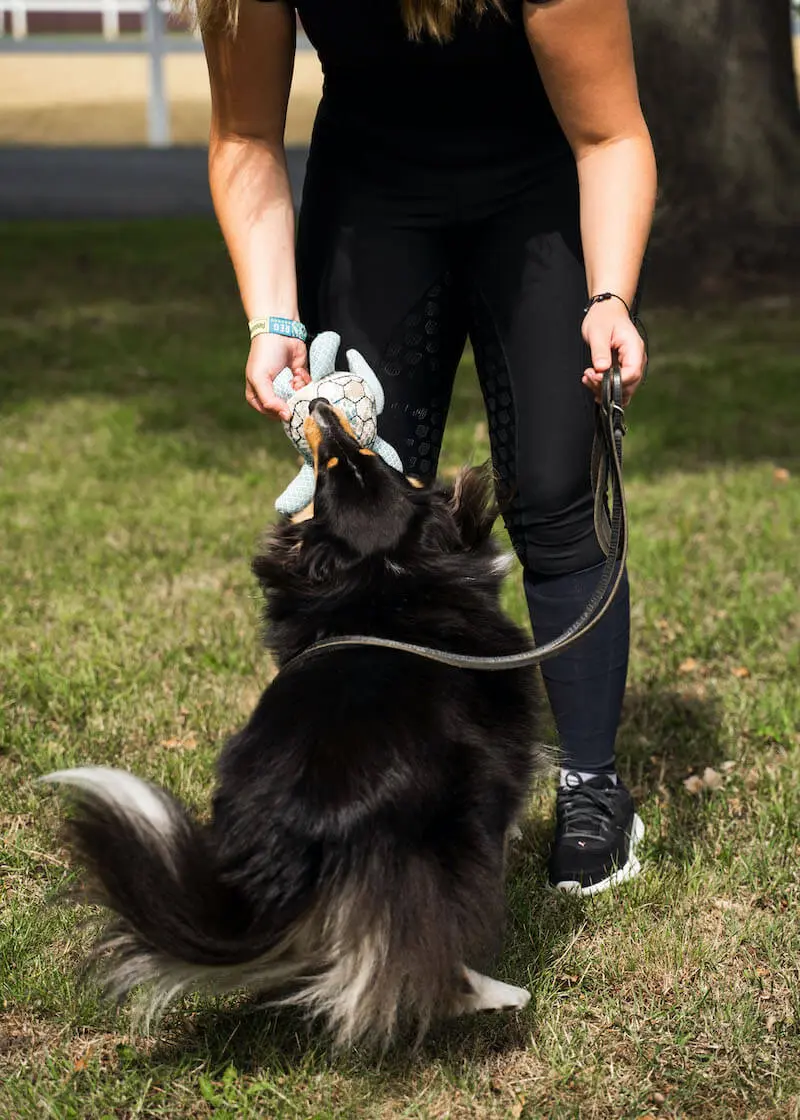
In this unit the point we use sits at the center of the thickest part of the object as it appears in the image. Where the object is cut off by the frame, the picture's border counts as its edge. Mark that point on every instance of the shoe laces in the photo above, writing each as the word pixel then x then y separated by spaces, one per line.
pixel 585 810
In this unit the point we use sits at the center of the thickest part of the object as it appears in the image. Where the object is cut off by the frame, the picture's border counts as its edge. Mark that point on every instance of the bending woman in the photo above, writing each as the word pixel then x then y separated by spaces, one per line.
pixel 478 169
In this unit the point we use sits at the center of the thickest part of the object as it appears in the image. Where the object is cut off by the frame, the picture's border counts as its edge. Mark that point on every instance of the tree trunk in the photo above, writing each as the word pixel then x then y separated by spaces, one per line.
pixel 719 93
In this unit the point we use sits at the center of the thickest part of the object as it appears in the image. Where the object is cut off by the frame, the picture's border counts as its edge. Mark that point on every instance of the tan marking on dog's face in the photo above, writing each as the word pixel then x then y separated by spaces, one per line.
pixel 415 482
pixel 332 462
pixel 313 433
pixel 304 514
pixel 348 427
pixel 366 451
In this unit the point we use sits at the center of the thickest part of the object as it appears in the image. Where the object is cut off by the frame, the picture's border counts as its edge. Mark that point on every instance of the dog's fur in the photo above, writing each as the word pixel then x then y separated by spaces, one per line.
pixel 354 863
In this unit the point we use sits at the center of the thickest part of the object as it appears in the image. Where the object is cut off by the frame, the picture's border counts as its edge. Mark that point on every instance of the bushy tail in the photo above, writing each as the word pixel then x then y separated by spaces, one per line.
pixel 177 926
pixel 383 943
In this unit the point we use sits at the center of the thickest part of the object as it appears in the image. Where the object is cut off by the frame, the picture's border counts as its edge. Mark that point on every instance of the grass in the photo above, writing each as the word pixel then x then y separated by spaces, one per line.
pixel 134 484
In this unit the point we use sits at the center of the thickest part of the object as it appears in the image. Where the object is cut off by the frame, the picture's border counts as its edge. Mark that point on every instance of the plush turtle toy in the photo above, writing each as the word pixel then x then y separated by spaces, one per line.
pixel 357 393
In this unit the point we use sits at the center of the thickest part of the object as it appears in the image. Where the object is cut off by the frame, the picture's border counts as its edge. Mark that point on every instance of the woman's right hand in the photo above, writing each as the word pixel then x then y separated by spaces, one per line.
pixel 269 354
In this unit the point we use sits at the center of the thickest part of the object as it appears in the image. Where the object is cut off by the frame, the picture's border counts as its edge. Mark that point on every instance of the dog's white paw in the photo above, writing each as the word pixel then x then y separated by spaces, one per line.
pixel 486 994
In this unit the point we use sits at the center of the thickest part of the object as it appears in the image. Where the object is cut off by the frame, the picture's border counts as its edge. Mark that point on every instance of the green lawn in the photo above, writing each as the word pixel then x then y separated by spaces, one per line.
pixel 134 484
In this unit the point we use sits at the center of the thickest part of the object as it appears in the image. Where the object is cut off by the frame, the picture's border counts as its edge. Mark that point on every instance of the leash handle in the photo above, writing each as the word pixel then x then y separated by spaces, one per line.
pixel 611 429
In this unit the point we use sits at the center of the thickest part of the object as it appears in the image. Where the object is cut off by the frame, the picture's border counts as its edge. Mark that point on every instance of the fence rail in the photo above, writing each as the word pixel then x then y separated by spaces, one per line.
pixel 153 39
pixel 109 14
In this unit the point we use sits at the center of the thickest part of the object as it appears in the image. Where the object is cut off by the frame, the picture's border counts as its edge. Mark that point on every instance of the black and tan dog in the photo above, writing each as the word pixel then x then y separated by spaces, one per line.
pixel 354 863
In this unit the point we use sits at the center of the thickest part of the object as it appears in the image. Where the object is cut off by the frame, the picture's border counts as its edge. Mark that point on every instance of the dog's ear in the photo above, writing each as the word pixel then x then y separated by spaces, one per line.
pixel 278 563
pixel 473 504
pixel 293 559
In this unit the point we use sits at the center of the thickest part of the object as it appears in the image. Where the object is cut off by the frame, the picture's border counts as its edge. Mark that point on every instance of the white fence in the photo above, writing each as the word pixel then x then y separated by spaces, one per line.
pixel 153 40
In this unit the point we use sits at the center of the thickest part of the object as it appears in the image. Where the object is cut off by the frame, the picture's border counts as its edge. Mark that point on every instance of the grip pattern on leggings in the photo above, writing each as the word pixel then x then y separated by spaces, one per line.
pixel 417 370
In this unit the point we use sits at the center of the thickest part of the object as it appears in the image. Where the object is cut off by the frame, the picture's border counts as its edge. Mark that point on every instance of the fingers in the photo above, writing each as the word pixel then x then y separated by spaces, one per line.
pixel 270 355
pixel 301 377
pixel 609 340
pixel 631 358
pixel 597 334
pixel 252 400
pixel 261 396
pixel 631 367
pixel 593 382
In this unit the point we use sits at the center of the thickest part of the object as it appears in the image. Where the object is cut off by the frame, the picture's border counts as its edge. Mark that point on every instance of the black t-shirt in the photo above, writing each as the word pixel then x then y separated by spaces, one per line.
pixel 475 98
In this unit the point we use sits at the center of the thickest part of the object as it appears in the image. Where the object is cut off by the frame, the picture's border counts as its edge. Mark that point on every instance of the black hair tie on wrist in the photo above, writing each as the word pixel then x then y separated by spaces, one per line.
pixel 602 297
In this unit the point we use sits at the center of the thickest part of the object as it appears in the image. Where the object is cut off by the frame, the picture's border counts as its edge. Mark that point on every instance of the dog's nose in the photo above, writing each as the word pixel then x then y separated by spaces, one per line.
pixel 330 420
pixel 320 409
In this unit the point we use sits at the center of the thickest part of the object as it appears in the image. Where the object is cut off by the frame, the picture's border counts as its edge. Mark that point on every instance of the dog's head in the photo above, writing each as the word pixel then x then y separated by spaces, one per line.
pixel 358 499
pixel 367 517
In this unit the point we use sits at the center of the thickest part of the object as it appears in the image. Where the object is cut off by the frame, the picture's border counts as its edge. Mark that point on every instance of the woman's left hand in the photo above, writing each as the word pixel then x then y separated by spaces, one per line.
pixel 609 332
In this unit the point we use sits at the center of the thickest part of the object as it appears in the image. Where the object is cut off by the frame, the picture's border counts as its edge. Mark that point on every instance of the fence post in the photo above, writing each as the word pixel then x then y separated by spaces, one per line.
pixel 19 20
pixel 158 133
pixel 110 14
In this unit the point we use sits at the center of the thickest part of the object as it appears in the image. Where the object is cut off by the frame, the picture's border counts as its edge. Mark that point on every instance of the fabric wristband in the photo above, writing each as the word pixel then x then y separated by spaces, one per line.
pixel 275 324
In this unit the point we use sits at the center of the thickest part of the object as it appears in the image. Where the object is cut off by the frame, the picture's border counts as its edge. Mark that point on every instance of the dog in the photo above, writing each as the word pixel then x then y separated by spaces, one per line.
pixel 354 862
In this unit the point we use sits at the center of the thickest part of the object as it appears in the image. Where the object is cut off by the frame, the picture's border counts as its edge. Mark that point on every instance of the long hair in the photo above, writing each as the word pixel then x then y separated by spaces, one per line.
pixel 437 18
pixel 433 18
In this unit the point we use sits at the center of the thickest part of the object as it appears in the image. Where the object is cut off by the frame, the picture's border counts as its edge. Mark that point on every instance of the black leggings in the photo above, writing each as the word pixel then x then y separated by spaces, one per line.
pixel 407 298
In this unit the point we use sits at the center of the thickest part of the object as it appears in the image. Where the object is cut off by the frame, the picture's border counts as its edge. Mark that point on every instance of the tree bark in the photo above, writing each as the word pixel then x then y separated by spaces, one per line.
pixel 719 93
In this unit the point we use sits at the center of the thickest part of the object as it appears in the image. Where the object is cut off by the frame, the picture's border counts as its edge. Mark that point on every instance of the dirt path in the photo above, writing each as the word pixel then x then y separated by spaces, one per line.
pixel 92 99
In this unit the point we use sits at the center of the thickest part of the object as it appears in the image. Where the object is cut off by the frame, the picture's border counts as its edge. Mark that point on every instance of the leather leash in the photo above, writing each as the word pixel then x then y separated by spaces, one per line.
pixel 612 533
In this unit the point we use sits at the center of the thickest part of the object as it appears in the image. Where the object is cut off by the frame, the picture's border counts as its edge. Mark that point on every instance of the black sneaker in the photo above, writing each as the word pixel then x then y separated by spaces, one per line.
pixel 597 833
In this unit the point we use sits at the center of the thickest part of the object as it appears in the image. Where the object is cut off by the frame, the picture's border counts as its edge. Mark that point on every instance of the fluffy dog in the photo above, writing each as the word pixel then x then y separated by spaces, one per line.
pixel 354 862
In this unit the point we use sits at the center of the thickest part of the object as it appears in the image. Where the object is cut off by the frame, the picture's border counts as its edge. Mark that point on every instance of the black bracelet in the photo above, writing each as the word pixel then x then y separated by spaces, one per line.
pixel 637 322
pixel 602 297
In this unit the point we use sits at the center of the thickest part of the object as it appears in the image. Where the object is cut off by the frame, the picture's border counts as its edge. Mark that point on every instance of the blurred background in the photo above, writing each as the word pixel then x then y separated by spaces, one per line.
pixel 82 72
pixel 82 82
pixel 135 483
pixel 104 110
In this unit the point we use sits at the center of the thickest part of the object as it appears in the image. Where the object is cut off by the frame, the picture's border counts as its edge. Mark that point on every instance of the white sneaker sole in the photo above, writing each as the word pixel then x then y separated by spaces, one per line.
pixel 628 871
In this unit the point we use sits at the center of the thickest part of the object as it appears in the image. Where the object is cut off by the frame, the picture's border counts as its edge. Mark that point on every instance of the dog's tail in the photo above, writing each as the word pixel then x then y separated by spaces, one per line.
pixel 177 925
pixel 380 942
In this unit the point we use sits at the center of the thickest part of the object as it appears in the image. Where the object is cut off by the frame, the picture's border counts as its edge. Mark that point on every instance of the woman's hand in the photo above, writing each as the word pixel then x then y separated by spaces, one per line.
pixel 269 354
pixel 610 334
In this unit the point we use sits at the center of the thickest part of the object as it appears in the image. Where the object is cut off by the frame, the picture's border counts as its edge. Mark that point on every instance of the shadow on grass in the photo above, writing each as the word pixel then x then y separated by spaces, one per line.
pixel 256 1039
pixel 666 735
pixel 148 313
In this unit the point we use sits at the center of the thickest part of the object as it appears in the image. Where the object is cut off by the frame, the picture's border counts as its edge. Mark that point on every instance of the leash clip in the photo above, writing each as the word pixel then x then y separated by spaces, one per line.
pixel 618 418
pixel 612 401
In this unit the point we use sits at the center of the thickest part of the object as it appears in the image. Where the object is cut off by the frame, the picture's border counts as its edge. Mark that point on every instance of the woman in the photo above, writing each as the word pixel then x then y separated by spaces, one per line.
pixel 481 169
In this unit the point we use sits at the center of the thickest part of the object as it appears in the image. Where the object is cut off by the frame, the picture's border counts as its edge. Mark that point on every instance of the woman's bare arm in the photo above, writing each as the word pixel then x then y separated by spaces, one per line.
pixel 250 76
pixel 584 54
